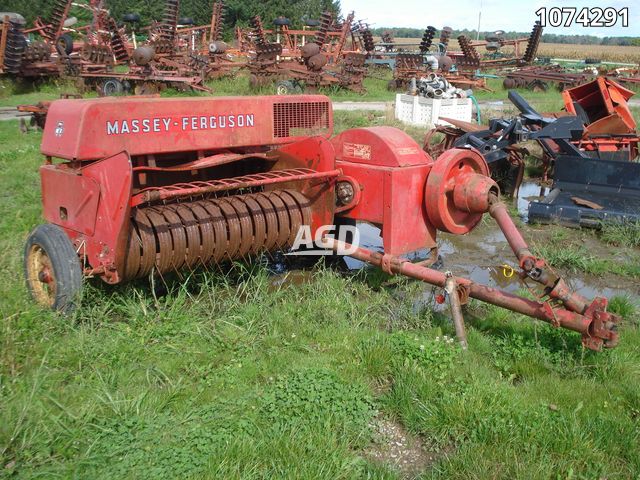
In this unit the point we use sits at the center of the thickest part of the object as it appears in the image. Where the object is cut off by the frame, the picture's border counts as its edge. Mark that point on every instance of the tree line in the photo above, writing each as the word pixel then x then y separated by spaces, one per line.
pixel 237 12
pixel 546 37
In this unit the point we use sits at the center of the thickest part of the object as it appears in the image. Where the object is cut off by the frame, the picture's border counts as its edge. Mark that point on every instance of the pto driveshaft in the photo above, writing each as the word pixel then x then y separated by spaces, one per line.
pixel 583 324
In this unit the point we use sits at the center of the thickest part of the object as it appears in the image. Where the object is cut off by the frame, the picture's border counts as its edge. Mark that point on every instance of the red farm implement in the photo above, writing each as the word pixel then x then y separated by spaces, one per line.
pixel 134 187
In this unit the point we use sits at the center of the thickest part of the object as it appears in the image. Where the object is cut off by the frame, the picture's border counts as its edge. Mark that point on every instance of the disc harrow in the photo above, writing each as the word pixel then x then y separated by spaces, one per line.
pixel 118 41
pixel 217 21
pixel 326 20
pixel 59 14
pixel 258 30
pixel 366 37
pixel 166 30
pixel 533 43
pixel 427 39
pixel 470 58
pixel 15 47
pixel 445 36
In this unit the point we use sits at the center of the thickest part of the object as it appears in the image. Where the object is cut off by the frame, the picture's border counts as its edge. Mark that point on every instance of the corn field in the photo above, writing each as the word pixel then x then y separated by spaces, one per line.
pixel 612 53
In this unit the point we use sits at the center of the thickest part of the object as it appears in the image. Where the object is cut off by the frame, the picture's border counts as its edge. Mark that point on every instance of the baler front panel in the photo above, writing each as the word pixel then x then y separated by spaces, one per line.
pixel 391 171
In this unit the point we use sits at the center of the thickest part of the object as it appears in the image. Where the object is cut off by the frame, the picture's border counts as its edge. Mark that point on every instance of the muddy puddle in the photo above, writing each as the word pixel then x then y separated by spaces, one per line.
pixel 529 192
pixel 484 256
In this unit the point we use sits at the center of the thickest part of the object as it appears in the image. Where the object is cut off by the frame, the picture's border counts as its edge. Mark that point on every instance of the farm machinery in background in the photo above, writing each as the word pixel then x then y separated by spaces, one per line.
pixel 182 57
pixel 408 66
pixel 47 54
pixel 496 56
pixel 541 77
pixel 48 49
pixel 178 56
pixel 133 188
pixel 459 67
pixel 313 64
pixel 590 151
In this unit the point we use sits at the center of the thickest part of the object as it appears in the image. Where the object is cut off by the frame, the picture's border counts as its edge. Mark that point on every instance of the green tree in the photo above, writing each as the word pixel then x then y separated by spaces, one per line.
pixel 238 12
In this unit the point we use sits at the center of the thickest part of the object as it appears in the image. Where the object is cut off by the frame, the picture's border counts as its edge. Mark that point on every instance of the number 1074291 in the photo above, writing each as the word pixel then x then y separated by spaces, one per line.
pixel 587 17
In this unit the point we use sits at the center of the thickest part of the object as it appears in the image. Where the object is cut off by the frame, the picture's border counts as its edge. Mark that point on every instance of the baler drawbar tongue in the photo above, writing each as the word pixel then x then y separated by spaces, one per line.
pixel 557 303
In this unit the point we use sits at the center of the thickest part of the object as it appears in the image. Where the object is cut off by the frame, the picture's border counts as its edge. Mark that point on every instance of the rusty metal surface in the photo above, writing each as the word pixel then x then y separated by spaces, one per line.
pixel 170 237
pixel 533 43
pixel 470 58
pixel 325 61
pixel 538 77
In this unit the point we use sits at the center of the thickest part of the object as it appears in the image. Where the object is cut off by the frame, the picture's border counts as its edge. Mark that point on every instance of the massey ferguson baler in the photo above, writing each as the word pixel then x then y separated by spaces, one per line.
pixel 133 187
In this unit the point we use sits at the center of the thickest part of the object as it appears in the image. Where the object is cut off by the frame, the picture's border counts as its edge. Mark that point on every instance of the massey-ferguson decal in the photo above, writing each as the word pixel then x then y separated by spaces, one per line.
pixel 183 124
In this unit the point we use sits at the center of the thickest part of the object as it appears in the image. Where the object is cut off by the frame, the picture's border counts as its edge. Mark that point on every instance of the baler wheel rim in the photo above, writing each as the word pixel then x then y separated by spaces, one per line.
pixel 442 212
pixel 52 268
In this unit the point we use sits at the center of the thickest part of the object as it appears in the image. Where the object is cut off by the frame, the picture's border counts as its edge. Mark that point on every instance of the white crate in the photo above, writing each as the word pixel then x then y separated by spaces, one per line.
pixel 417 110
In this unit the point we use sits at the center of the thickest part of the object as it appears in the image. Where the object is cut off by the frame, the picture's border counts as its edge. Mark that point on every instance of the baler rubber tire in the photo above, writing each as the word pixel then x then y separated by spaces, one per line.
pixel 63 261
pixel 285 87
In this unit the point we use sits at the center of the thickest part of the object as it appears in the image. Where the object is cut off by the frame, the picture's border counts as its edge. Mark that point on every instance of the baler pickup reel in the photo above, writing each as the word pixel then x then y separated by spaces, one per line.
pixel 134 187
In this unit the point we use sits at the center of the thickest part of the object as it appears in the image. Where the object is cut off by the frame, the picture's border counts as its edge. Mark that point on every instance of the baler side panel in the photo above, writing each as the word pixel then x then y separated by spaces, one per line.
pixel 379 146
pixel 69 199
pixel 93 129
pixel 108 247
pixel 92 204
pixel 406 227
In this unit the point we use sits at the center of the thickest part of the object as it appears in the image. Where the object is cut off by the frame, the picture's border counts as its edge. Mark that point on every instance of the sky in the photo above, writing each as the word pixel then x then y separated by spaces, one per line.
pixel 509 15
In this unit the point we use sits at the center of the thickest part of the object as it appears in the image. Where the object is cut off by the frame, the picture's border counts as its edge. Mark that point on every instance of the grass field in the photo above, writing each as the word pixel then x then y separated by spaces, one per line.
pixel 240 373
pixel 376 90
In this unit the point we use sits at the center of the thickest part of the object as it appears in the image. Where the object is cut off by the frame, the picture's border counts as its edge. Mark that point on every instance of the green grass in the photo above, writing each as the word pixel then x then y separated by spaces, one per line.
pixel 233 375
pixel 12 94
pixel 579 250
pixel 590 251
pixel 375 86
pixel 626 234
pixel 549 101
pixel 579 259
